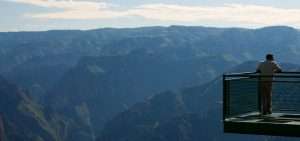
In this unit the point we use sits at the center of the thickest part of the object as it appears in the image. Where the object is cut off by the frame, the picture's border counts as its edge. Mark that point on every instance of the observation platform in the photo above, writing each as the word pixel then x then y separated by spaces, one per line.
pixel 242 104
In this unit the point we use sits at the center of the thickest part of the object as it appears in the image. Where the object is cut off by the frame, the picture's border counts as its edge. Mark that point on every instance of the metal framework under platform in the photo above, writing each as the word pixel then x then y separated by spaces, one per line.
pixel 276 124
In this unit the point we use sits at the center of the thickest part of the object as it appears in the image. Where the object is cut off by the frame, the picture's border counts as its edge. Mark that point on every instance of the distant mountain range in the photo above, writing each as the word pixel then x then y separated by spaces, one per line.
pixel 128 84
pixel 110 85
pixel 28 58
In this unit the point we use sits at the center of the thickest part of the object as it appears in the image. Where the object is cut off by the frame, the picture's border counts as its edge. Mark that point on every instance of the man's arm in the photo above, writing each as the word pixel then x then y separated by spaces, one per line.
pixel 277 68
pixel 258 68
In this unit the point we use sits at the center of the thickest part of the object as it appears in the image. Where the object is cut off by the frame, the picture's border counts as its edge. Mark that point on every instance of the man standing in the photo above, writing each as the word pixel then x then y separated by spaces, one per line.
pixel 266 69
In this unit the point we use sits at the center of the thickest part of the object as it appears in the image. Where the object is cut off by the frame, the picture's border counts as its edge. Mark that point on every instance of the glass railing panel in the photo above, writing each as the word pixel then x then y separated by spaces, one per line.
pixel 243 96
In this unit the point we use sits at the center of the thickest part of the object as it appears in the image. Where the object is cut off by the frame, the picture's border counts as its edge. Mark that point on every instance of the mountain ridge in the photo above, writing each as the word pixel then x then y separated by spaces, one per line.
pixel 153 27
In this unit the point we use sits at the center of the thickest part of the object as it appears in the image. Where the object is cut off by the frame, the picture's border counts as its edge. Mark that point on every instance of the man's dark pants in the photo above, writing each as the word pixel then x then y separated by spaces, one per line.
pixel 266 97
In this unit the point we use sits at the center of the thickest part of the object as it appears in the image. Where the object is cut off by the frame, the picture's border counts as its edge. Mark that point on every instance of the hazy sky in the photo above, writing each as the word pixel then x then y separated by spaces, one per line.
pixel 28 15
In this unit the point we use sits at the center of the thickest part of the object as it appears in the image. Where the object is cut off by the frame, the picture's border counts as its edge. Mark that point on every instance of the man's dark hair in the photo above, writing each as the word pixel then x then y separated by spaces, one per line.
pixel 270 57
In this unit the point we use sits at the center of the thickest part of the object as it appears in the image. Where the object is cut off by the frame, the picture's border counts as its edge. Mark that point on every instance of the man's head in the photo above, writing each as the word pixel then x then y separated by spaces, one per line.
pixel 269 57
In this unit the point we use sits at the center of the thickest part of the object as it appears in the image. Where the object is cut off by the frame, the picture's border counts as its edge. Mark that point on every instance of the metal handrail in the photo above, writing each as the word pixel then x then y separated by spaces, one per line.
pixel 255 75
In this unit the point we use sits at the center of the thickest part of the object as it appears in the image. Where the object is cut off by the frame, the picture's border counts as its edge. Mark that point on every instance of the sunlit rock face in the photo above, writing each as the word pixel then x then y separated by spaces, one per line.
pixel 21 118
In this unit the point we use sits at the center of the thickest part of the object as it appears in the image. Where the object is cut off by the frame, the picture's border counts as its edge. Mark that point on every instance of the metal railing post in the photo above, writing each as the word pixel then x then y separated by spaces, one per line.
pixel 226 108
pixel 224 98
